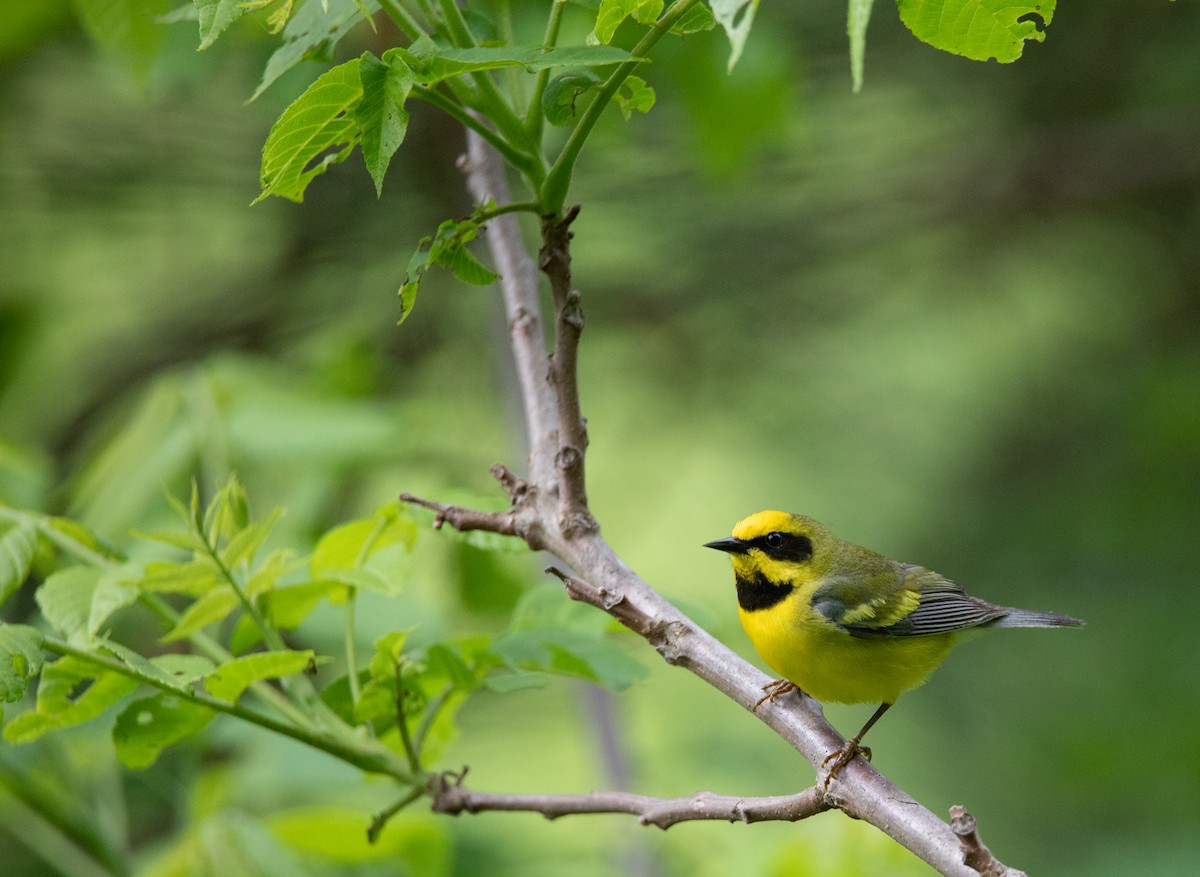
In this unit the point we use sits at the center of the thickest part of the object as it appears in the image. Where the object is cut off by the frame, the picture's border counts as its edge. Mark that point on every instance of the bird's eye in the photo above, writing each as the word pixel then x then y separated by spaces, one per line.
pixel 774 540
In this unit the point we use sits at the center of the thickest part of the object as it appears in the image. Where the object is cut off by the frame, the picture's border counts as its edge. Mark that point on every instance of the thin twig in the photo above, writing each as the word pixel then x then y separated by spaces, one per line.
pixel 450 796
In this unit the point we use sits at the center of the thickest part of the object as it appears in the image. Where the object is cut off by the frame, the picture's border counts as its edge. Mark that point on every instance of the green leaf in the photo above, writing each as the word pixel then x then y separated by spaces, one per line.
pixel 698 18
pixel 266 575
pixel 65 599
pixel 563 651
pixel 312 34
pixel 322 119
pixel 193 578
pixel 736 16
pixel 231 679
pixel 432 63
pixel 17 547
pixel 288 607
pixel 216 16
pixel 126 29
pixel 113 592
pixel 209 609
pixel 857 16
pixel 978 29
pixel 381 115
pixel 613 12
pixel 177 671
pixel 245 543
pixel 21 659
pixel 408 297
pixel 149 725
pixel 633 96
pixel 413 844
pixel 57 709
pixel 351 545
pixel 85 536
pixel 562 92
pixel 228 513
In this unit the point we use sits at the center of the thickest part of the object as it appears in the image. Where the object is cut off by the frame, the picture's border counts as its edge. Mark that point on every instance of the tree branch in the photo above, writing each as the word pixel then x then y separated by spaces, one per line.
pixel 450 796
pixel 975 853
pixel 519 288
pixel 550 512
pixel 555 259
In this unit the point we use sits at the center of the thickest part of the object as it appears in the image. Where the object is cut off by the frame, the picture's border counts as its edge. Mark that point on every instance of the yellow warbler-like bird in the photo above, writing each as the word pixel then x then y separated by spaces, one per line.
pixel 846 624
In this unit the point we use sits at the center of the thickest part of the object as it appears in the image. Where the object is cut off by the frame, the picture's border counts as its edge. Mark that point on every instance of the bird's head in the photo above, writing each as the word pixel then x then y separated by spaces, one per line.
pixel 779 547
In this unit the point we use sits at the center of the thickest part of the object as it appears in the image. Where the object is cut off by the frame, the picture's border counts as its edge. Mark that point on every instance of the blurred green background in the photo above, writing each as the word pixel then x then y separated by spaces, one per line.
pixel 955 317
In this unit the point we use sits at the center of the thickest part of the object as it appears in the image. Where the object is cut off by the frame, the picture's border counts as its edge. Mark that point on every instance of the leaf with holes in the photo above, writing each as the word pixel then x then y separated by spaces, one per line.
pixel 736 16
pixel 317 130
pixel 150 724
pixel 20 659
pixel 978 29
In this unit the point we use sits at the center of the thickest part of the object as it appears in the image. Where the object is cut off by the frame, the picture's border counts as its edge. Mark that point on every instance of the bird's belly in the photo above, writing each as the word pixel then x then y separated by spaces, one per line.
pixel 831 665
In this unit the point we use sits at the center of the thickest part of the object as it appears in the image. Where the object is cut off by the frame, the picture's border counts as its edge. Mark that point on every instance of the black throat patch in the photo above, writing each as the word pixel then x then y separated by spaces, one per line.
pixel 760 593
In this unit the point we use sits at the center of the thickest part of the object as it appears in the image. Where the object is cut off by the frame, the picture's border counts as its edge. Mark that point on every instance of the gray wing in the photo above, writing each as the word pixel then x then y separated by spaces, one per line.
pixel 943 607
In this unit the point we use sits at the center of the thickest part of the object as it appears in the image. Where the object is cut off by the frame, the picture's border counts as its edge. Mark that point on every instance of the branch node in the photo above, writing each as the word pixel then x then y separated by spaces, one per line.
pixel 976 855
pixel 518 489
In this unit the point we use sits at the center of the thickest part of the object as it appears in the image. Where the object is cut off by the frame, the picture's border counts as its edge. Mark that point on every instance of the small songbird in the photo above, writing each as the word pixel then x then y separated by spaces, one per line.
pixel 846 624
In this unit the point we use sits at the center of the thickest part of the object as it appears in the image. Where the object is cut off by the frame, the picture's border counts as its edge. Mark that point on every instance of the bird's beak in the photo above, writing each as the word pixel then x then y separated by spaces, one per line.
pixel 728 545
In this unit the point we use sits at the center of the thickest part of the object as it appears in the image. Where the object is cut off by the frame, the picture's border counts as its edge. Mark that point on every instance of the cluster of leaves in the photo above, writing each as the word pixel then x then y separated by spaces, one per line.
pixel 465 61
pixel 229 611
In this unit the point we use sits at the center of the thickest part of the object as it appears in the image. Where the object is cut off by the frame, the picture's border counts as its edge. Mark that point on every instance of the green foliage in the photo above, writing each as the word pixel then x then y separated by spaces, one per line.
pixel 16 554
pixel 446 247
pixel 978 29
pixel 20 659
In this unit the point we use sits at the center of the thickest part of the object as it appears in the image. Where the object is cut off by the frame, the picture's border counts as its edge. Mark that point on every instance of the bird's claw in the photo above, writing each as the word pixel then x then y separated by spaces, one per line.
pixel 841 758
pixel 773 690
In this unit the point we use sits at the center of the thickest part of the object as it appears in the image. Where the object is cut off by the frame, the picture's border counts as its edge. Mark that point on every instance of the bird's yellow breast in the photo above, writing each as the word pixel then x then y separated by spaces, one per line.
pixel 804 647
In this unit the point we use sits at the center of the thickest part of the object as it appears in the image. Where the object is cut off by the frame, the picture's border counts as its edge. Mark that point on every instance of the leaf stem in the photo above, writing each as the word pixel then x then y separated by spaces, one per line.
pixel 403 19
pixel 373 760
pixel 527 164
pixel 414 760
pixel 534 117
pixel 558 180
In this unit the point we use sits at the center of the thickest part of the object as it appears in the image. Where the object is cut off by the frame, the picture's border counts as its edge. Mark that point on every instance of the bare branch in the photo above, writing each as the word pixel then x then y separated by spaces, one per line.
pixel 550 512
pixel 450 796
pixel 519 287
pixel 555 260
pixel 976 855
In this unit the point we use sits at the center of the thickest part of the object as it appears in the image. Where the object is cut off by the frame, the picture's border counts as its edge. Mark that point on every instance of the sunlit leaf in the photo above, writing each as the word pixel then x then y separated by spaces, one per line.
pixel 613 12
pixel 228 513
pixel 311 34
pixel 317 130
pixel 17 547
pixel 978 29
pixel 65 599
pixel 381 115
pixel 193 578
pixel 351 545
pixel 634 96
pixel 150 724
pixel 209 609
pixel 216 15
pixel 231 679
pixel 245 543
pixel 21 659
pixel 288 607
pixel 56 707
pixel 698 18
pixel 112 592
pixel 736 16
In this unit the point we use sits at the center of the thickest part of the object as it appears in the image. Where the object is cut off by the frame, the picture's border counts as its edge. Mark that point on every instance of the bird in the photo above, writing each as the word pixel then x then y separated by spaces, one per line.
pixel 846 624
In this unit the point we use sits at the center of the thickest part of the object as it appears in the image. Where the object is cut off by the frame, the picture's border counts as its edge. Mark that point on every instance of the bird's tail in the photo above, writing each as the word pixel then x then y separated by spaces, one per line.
pixel 1033 618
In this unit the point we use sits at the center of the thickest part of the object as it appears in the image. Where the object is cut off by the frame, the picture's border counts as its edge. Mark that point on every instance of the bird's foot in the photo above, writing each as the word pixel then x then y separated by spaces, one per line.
pixel 835 761
pixel 774 690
